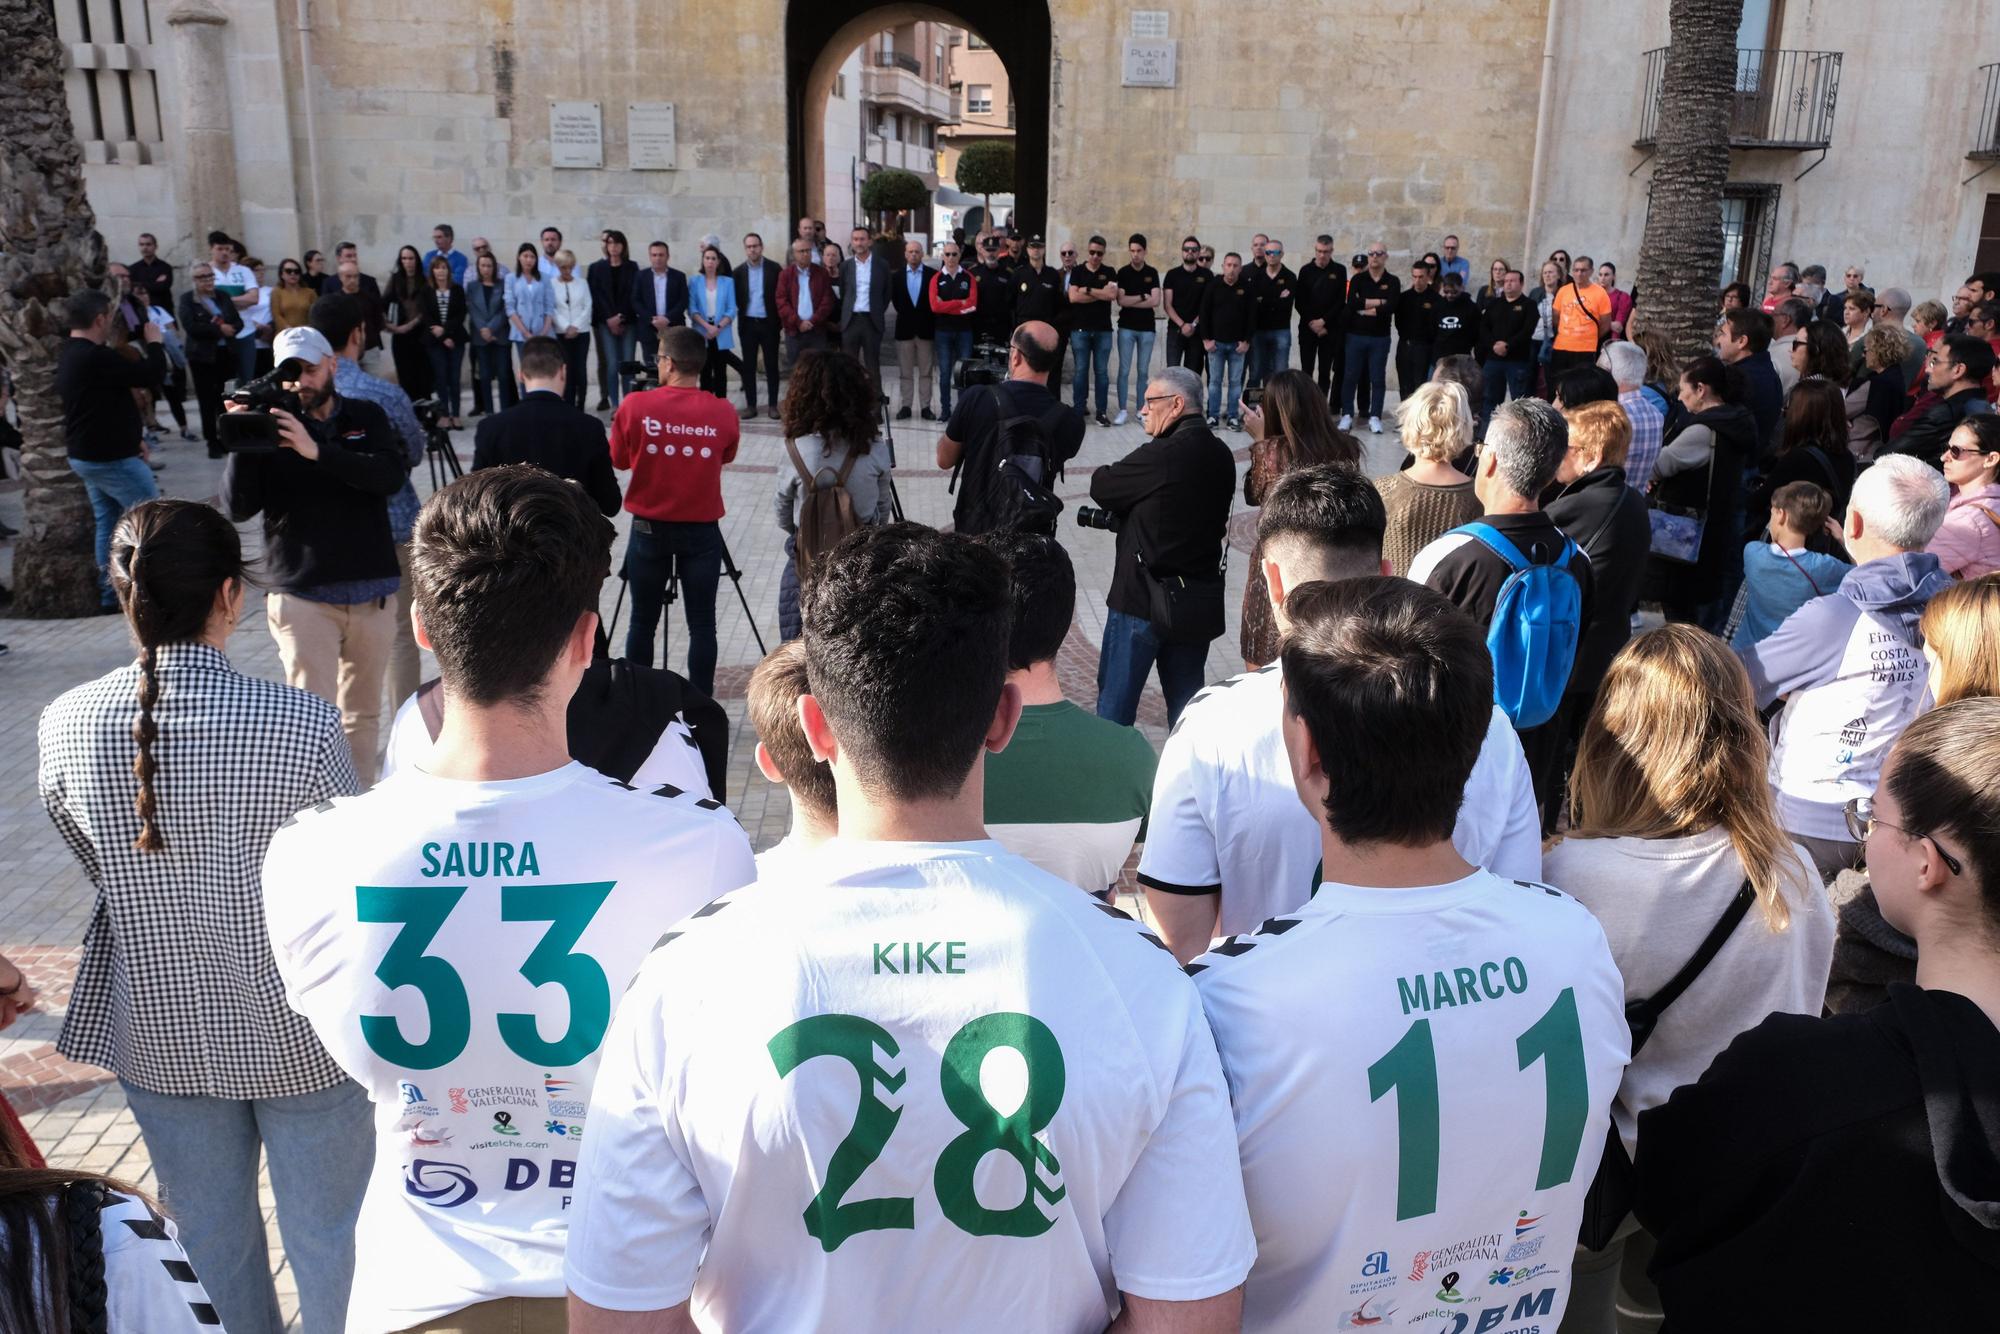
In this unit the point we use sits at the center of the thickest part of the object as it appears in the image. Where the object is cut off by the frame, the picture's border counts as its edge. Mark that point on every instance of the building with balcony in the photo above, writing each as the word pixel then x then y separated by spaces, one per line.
pixel 982 97
pixel 888 103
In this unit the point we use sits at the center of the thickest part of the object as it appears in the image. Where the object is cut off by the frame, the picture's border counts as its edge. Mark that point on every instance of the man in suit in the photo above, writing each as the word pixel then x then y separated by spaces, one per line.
pixel 805 302
pixel 757 323
pixel 915 328
pixel 661 298
pixel 544 430
pixel 864 303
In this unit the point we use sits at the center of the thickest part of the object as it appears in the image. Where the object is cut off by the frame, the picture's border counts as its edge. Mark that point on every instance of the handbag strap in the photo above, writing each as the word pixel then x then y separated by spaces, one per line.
pixel 1802 570
pixel 1642 1015
pixel 1995 518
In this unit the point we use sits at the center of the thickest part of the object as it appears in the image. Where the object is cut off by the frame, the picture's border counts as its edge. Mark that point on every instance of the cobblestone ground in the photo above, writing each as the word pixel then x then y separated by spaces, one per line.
pixel 78 1113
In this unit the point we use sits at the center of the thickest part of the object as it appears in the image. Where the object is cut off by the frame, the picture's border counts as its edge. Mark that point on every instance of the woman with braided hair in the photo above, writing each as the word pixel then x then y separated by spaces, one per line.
pixel 168 777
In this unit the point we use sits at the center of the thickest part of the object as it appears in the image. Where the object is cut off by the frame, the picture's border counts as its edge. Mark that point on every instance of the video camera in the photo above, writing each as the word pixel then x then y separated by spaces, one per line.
pixel 1086 517
pixel 642 374
pixel 986 365
pixel 254 430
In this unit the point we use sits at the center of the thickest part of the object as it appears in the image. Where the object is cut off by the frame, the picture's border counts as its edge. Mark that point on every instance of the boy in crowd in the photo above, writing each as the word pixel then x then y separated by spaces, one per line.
pixel 784 757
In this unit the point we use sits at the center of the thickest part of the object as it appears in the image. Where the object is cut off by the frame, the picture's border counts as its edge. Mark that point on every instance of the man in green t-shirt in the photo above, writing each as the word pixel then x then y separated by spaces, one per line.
pixel 1071 791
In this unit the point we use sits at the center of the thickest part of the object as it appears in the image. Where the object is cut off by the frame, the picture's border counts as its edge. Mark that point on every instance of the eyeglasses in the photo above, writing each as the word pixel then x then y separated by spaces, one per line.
pixel 1096 250
pixel 1960 452
pixel 1861 822
pixel 1273 254
pixel 1159 398
pixel 290 268
pixel 204 274
pixel 1190 250
pixel 1378 254
pixel 1208 259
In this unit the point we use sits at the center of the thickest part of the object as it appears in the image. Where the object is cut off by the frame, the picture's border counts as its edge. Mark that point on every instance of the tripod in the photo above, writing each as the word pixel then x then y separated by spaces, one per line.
pixel 442 457
pixel 671 595
pixel 889 438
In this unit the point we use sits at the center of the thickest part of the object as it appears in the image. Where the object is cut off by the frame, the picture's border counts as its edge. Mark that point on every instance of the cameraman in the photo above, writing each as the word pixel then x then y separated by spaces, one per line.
pixel 972 435
pixel 328 558
pixel 675 441
pixel 1170 498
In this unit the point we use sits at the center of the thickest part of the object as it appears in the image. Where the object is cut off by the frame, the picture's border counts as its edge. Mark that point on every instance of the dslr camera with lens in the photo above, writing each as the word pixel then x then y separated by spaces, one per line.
pixel 642 374
pixel 1086 517
pixel 254 430
pixel 986 365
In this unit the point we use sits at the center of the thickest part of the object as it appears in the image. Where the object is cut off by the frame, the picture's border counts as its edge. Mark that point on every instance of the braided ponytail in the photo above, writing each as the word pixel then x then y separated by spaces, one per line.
pixel 83 1229
pixel 144 732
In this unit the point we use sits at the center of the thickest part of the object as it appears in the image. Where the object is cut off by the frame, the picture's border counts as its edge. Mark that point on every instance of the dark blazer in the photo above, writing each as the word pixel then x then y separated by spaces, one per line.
pixel 913 318
pixel 772 271
pixel 454 318
pixel 878 289
pixel 611 290
pixel 200 333
pixel 543 430
pixel 642 298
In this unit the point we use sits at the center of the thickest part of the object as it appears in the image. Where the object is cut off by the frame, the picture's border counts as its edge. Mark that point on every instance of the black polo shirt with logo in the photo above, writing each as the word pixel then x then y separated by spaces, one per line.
pixel 1142 280
pixel 1094 316
pixel 1185 287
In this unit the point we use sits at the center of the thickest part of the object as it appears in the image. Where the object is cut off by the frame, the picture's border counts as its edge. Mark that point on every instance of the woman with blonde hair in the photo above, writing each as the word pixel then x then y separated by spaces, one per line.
pixel 1961 634
pixel 1876 392
pixel 1430 497
pixel 571 310
pixel 1673 835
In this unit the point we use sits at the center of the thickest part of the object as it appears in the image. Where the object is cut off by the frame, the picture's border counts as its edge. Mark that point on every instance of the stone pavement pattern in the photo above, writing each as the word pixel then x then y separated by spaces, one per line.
pixel 78 1113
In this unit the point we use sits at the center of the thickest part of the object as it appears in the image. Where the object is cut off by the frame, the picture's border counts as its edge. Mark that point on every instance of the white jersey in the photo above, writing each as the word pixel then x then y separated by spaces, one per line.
pixel 912 1087
pixel 149 1286
pixel 1225 811
pixel 458 947
pixel 675 760
pixel 1417 1155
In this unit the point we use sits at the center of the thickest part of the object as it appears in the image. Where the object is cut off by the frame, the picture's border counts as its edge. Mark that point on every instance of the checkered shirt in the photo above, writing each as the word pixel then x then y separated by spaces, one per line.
pixel 350 381
pixel 1648 425
pixel 177 991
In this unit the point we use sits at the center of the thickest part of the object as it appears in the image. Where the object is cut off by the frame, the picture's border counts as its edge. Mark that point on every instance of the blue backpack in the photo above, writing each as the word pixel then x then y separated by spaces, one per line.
pixel 1537 620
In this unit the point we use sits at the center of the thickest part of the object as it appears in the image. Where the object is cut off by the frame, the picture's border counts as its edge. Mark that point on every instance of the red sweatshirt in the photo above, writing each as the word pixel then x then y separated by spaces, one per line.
pixel 674 442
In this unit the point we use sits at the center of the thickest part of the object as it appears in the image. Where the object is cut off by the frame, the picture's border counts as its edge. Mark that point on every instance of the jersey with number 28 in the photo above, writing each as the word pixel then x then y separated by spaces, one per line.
pixel 459 948
pixel 1422 1081
pixel 908 1087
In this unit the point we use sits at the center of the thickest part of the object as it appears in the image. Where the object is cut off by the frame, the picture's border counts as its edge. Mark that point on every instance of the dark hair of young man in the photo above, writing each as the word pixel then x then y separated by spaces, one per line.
pixel 772 700
pixel 541 358
pixel 1324 238
pixel 1043 585
pixel 337 316
pixel 1137 239
pixel 1583 385
pixel 685 348
pixel 83 308
pixel 1974 354
pixel 1395 688
pixel 1041 359
pixel 1753 324
pixel 1330 514
pixel 906 632
pixel 1098 240
pixel 504 561
pixel 445 227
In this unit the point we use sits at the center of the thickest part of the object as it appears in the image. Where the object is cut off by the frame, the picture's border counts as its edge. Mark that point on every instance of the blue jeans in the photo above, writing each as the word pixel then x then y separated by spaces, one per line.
pixel 613 351
pixel 319 1148
pixel 1225 360
pixel 952 347
pixel 446 362
pixel 1130 650
pixel 1134 343
pixel 1271 352
pixel 1367 368
pixel 1090 347
pixel 113 488
pixel 493 376
pixel 656 553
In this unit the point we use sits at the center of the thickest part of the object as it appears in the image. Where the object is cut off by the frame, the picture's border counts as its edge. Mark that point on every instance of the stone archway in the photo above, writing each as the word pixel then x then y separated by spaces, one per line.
pixel 820 33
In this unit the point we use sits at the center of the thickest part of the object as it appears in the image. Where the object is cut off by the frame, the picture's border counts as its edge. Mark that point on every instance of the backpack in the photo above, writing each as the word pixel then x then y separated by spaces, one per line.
pixel 1019 493
pixel 826 513
pixel 1537 620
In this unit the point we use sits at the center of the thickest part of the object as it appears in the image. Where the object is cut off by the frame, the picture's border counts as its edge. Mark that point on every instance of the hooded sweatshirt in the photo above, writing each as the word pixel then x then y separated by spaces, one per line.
pixel 1833 1174
pixel 1853 666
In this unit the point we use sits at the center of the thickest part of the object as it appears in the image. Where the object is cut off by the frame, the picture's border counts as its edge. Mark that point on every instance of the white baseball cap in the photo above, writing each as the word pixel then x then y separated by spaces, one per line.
pixel 302 344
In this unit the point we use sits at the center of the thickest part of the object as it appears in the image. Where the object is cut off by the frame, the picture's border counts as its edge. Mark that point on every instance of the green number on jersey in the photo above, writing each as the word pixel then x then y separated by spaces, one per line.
pixel 1410 1067
pixel 404 964
pixel 568 909
pixel 423 909
pixel 852 1039
pixel 986 1129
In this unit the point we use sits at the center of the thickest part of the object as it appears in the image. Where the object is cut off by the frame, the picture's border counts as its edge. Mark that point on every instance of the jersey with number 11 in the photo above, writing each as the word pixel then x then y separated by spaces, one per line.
pixel 459 947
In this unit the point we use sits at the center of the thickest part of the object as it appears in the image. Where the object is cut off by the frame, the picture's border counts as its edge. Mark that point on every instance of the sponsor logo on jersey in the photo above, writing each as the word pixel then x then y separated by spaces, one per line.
pixel 456 1097
pixel 421 1133
pixel 557 1088
pixel 1376 1274
pixel 1524 1224
pixel 564 1129
pixel 438 1184
pixel 1448 1289
pixel 410 1093
pixel 1485 1247
pixel 1367 1317
pixel 503 1124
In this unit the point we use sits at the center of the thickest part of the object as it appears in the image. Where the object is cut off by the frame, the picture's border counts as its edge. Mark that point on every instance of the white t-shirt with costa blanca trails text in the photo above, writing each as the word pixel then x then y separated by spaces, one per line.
pixel 460 947
pixel 908 1087
pixel 1422 1080
pixel 1225 811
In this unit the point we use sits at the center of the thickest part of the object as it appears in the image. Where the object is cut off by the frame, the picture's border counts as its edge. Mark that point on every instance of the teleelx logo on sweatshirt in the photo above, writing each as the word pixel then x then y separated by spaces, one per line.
pixel 655 428
pixel 694 432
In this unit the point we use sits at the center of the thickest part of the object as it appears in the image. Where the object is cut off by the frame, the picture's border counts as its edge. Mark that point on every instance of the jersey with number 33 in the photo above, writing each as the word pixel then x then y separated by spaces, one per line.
pixel 908 1086
pixel 459 947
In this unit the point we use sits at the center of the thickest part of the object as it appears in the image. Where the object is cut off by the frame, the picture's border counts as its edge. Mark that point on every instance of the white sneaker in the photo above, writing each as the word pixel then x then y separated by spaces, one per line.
pixel 1347 421
pixel 1121 418
pixel 1375 425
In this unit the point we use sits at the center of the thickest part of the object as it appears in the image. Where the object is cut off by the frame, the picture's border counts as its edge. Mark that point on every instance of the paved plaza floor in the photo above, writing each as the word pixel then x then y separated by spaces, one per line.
pixel 77 1113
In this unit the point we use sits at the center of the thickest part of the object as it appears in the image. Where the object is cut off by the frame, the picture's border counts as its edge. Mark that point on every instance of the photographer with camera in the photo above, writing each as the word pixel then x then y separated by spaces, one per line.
pixel 101 426
pixel 543 429
pixel 988 415
pixel 1168 500
pixel 329 560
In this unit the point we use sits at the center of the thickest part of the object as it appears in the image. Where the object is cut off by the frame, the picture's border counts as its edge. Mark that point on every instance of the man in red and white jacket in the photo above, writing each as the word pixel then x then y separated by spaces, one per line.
pixel 954 299
pixel 674 440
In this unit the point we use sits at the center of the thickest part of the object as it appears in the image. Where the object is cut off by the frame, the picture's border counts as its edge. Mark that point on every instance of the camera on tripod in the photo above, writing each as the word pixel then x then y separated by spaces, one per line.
pixel 438 449
pixel 254 430
pixel 986 365
pixel 1086 517
pixel 642 374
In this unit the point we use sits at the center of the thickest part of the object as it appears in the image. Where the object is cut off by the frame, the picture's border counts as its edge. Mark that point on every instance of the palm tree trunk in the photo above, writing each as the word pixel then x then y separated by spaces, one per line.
pixel 51 247
pixel 1682 251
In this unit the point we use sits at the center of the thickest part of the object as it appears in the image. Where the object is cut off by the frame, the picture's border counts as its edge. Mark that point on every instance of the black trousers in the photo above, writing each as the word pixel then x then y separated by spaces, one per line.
pixel 1324 357
pixel 1185 351
pixel 1413 365
pixel 208 380
pixel 758 338
pixel 576 358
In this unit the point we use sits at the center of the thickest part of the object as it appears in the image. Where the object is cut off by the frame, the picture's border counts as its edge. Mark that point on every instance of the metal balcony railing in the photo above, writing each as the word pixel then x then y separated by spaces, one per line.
pixel 1783 99
pixel 900 60
pixel 1986 131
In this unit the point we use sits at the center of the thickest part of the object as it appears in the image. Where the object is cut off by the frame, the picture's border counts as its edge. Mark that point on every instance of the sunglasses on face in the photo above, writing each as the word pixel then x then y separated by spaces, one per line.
pixel 1273 254
pixel 1208 259
pixel 1069 254
pixel 1095 251
pixel 1190 250
pixel 1378 254
pixel 289 269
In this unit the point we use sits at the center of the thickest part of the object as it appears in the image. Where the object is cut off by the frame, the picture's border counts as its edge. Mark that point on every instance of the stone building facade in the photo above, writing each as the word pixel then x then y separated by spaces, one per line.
pixel 1513 123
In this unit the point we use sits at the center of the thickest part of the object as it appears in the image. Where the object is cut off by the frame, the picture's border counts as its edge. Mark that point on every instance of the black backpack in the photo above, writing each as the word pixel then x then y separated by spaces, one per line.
pixel 1022 468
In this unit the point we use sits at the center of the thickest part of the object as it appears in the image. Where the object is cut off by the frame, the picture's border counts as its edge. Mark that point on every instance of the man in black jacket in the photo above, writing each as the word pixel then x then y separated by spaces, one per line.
pixel 1274 288
pixel 757 326
pixel 101 424
pixel 1416 329
pixel 329 560
pixel 864 304
pixel 1506 345
pixel 1321 301
pixel 1371 302
pixel 916 328
pixel 970 436
pixel 1958 369
pixel 544 430
pixel 1227 314
pixel 1170 498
